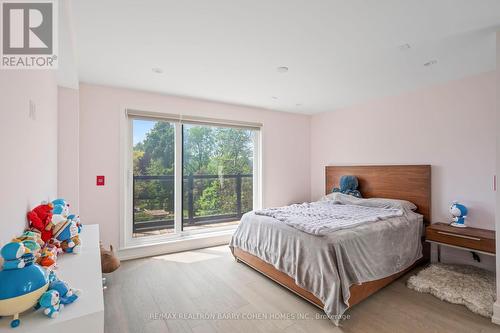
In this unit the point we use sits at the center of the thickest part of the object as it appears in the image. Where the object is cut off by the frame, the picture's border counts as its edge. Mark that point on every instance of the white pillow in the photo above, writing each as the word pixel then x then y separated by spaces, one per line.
pixel 346 199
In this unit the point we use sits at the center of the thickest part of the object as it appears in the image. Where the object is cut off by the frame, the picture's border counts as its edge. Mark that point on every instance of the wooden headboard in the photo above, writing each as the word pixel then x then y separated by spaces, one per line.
pixel 405 182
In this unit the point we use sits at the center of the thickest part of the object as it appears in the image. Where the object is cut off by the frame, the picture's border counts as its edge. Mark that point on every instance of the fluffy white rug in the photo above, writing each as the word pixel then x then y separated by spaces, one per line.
pixel 459 284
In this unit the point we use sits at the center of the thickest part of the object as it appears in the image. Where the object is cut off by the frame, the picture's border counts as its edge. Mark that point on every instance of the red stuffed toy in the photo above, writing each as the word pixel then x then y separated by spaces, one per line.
pixel 39 218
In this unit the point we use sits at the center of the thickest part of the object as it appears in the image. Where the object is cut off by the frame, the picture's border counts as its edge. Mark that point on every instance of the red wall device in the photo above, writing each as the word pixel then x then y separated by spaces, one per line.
pixel 100 181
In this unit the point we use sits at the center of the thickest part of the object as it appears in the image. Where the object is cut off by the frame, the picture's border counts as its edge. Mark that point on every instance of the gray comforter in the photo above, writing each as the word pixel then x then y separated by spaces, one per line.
pixel 323 217
pixel 328 265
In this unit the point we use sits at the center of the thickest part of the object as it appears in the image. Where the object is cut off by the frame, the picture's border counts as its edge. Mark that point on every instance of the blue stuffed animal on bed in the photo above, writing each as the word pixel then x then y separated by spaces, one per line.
pixel 348 185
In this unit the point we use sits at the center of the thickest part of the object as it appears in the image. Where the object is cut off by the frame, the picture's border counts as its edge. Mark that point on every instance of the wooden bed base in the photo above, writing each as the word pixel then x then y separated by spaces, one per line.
pixel 358 291
pixel 405 182
pixel 275 275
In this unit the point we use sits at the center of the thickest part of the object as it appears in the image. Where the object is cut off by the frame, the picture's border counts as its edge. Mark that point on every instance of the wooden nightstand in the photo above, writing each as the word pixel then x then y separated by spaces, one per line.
pixel 470 239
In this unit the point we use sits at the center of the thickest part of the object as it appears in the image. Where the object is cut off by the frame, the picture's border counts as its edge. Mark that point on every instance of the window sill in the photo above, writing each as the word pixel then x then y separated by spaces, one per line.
pixel 176 243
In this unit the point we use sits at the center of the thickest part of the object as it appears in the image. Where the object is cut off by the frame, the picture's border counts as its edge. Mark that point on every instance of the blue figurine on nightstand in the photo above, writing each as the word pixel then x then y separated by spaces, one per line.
pixel 459 213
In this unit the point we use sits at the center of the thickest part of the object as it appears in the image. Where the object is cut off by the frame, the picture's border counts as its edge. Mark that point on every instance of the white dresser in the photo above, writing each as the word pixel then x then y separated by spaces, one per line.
pixel 81 271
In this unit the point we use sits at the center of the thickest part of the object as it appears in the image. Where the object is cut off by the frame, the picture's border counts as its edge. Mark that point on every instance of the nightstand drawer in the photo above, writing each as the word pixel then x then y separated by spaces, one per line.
pixel 458 238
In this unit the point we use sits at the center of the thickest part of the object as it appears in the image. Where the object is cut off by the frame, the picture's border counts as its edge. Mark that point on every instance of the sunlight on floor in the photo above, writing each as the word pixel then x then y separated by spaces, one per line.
pixel 222 249
pixel 187 257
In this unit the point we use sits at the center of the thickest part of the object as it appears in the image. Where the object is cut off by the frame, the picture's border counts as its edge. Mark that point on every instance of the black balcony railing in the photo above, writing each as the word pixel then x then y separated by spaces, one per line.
pixel 148 204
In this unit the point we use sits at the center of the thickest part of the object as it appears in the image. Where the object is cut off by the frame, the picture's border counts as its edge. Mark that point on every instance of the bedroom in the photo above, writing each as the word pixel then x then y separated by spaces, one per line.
pixel 202 141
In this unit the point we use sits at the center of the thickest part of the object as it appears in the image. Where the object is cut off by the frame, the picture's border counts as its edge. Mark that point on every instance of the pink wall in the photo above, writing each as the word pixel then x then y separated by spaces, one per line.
pixel 28 168
pixel 285 148
pixel 496 308
pixel 68 146
pixel 451 126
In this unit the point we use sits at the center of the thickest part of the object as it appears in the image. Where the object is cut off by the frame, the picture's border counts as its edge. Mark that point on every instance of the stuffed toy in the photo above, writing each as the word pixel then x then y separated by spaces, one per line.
pixel 459 213
pixel 12 254
pixel 348 185
pixel 48 255
pixel 66 294
pixel 39 218
pixel 76 219
pixel 67 234
pixel 31 245
pixel 15 256
pixel 51 303
pixel 109 260
pixel 31 241
pixel 74 245
pixel 22 282
pixel 34 235
pixel 63 203
pixel 38 236
pixel 59 215
pixel 47 260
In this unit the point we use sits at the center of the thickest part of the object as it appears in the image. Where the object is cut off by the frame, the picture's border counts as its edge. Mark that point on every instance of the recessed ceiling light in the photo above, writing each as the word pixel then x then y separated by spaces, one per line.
pixel 282 69
pixel 430 63
pixel 157 70
pixel 404 47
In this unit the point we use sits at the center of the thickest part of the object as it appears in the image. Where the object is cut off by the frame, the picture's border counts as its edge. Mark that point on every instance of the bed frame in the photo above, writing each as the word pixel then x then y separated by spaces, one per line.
pixel 406 182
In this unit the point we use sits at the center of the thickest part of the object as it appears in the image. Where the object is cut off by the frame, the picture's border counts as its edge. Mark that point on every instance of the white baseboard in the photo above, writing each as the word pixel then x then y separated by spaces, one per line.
pixel 177 245
pixel 496 313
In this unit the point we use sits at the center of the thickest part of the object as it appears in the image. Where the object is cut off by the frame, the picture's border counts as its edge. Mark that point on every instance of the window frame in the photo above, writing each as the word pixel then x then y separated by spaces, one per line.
pixel 126 169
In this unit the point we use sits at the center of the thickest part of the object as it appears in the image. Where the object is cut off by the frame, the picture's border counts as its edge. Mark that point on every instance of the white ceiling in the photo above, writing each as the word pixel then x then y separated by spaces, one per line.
pixel 339 52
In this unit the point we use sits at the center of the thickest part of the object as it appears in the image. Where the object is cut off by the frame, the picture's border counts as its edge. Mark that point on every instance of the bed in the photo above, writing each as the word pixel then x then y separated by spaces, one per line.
pixel 337 271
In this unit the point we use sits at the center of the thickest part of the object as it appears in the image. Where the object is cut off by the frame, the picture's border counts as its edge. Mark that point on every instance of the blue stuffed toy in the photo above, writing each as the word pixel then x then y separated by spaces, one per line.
pixel 63 204
pixel 75 219
pixel 51 303
pixel 459 213
pixel 16 256
pixel 66 294
pixel 348 185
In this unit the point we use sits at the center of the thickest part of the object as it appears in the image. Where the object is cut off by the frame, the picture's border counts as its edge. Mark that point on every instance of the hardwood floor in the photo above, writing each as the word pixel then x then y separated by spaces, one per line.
pixel 178 293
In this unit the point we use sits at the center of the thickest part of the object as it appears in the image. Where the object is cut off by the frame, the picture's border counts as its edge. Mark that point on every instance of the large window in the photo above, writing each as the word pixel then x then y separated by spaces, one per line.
pixel 189 177
pixel 153 187
pixel 218 175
